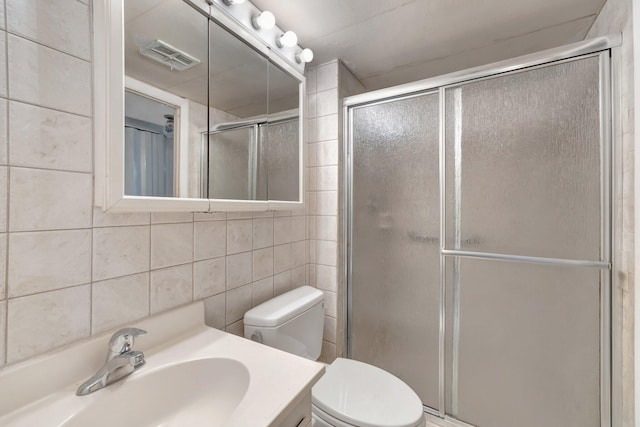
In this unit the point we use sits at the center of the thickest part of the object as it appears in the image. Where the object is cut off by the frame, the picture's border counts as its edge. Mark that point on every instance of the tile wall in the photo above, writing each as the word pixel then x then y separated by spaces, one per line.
pixel 67 270
pixel 327 85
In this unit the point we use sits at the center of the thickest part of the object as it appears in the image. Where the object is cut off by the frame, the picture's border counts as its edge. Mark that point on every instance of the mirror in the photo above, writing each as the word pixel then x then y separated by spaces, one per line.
pixel 205 117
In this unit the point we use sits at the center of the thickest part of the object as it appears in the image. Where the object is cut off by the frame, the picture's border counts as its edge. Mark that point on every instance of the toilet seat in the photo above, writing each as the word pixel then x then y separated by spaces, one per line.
pixel 358 394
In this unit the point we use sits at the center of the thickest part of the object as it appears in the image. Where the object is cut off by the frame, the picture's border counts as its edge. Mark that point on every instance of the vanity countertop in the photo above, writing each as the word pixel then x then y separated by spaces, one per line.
pixel 41 391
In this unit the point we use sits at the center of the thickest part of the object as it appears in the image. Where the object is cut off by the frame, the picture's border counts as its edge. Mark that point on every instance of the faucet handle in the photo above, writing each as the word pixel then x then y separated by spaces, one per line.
pixel 122 341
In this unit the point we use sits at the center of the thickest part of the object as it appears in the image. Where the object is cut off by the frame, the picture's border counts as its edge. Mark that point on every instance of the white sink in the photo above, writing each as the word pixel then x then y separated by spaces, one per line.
pixel 183 394
pixel 193 376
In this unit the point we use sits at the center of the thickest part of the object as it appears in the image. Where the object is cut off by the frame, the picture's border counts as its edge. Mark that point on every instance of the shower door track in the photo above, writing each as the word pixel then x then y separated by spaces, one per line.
pixel 601 46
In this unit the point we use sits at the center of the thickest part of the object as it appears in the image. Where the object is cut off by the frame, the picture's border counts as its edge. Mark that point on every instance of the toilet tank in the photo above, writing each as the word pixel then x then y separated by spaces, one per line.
pixel 293 322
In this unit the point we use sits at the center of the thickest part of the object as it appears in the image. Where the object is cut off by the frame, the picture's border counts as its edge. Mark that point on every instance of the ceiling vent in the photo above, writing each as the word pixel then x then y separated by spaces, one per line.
pixel 168 55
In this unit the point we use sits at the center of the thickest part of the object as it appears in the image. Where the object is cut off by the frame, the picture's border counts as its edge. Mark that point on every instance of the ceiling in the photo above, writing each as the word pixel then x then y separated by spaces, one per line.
pixel 390 42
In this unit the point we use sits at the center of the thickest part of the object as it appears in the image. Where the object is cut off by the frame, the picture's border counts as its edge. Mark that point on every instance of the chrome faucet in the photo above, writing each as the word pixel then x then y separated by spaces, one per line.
pixel 121 361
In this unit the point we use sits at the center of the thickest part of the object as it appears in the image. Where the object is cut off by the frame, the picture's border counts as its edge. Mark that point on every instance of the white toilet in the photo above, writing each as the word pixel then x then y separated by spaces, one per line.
pixel 351 393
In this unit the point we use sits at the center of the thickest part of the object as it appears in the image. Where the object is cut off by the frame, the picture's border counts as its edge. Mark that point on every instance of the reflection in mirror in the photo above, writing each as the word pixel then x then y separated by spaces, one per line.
pixel 238 91
pixel 165 48
pixel 149 144
pixel 281 136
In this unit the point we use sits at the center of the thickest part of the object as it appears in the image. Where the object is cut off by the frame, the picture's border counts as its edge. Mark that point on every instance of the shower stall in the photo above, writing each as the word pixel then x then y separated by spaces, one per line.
pixel 479 238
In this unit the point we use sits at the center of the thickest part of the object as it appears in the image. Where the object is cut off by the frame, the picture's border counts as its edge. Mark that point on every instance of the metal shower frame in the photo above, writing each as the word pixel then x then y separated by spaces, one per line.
pixel 607 49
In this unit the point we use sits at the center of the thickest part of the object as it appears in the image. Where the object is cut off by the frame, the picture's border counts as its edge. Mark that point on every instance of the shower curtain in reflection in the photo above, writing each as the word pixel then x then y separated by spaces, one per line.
pixel 480 248
pixel 149 162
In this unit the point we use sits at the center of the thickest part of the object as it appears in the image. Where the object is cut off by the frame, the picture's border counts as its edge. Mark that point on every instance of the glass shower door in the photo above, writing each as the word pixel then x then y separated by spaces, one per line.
pixel 395 245
pixel 526 251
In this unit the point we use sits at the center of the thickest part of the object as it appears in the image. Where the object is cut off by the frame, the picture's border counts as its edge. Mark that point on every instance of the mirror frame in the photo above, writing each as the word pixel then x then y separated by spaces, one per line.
pixel 108 118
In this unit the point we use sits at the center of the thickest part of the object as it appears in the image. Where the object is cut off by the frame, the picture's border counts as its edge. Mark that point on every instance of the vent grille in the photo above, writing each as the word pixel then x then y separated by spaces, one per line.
pixel 168 55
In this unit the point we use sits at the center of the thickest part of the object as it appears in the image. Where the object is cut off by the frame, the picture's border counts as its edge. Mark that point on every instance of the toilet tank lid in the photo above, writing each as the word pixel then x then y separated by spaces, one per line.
pixel 284 307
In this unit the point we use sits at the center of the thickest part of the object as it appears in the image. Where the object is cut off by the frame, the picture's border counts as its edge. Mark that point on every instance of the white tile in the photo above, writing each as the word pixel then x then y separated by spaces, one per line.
pixel 311 202
pixel 311 76
pixel 3 266
pixel 63 25
pixel 327 278
pixel 4 199
pixel 327 178
pixel 327 76
pixel 327 228
pixel 282 282
pixel 239 215
pixel 210 239
pixel 4 136
pixel 239 236
pixel 171 244
pixel 327 253
pixel 2 15
pixel 209 216
pixel 3 64
pixel 328 353
pixel 298 253
pixel 44 138
pixel 118 301
pixel 262 233
pixel 311 106
pixel 327 128
pixel 170 217
pixel 263 214
pixel 281 230
pixel 327 102
pixel 208 277
pixel 44 261
pixel 41 322
pixel 239 269
pixel 238 303
pixel 3 330
pixel 171 287
pixel 299 275
pixel 328 153
pixel 298 228
pixel 262 263
pixel 120 251
pixel 281 258
pixel 313 249
pixel 236 328
pixel 110 219
pixel 327 203
pixel 311 131
pixel 329 329
pixel 49 200
pixel 43 76
pixel 262 291
pixel 330 305
pixel 215 311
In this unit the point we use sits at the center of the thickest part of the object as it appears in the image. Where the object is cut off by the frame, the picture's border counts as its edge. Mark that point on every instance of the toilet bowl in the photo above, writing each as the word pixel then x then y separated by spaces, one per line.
pixel 351 393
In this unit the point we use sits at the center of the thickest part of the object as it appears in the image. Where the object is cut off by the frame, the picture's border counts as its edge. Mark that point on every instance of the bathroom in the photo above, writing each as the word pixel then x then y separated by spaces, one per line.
pixel 71 271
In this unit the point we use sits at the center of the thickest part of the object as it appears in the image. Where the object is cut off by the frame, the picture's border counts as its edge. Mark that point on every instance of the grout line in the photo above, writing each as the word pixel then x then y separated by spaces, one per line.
pixel 39 43
pixel 45 107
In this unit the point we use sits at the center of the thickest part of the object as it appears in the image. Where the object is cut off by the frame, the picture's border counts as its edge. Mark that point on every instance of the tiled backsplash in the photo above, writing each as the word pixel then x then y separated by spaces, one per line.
pixel 68 270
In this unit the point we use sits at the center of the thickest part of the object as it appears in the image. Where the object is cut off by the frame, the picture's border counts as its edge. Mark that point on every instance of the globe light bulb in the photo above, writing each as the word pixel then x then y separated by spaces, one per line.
pixel 263 20
pixel 304 56
pixel 288 39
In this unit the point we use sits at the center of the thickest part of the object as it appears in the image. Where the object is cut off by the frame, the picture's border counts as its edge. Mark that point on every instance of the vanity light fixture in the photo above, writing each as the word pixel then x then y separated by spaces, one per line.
pixel 288 39
pixel 304 56
pixel 263 20
pixel 232 2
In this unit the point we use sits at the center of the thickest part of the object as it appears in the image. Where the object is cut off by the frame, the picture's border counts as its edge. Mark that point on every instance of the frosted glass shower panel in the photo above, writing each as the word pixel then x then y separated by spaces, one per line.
pixel 280 140
pixel 523 161
pixel 525 348
pixel 233 164
pixel 395 240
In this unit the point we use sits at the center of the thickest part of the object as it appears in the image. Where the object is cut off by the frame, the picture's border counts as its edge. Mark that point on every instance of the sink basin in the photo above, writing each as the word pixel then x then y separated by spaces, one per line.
pixel 181 394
